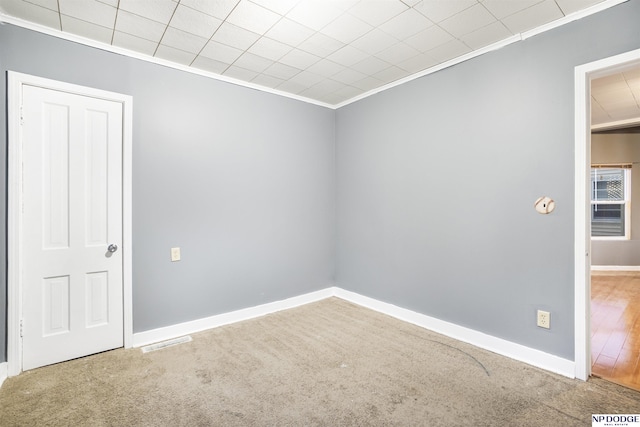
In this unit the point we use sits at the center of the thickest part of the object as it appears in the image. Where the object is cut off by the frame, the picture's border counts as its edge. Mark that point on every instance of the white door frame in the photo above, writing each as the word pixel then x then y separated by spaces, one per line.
pixel 582 264
pixel 14 212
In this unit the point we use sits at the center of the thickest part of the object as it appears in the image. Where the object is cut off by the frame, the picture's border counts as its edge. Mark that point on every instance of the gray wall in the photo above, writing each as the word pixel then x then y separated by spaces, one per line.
pixel 437 179
pixel 619 147
pixel 241 180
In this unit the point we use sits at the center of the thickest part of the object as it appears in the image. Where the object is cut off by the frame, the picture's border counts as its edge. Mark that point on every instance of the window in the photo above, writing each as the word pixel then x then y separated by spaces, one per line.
pixel 610 201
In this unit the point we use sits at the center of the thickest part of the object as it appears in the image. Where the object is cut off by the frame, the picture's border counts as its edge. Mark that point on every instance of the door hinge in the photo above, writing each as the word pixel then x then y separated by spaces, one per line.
pixel 21 115
pixel 21 328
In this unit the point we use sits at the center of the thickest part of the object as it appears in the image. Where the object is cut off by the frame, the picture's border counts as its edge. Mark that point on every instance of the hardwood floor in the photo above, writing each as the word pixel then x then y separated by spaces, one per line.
pixel 615 327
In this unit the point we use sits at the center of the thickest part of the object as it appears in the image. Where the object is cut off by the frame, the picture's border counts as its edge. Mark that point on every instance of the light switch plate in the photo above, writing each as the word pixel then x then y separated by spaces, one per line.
pixel 175 254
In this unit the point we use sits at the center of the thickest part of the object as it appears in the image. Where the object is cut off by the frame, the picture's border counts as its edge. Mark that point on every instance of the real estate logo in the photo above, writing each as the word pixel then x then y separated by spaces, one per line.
pixel 615 420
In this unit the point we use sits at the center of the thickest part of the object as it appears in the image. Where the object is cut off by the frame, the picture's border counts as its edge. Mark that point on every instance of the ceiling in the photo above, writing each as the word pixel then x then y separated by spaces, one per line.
pixel 615 100
pixel 325 51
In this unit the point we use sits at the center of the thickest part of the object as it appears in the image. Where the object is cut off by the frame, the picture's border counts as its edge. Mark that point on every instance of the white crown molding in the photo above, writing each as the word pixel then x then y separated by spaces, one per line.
pixel 159 61
pixel 495 46
pixel 114 49
pixel 618 124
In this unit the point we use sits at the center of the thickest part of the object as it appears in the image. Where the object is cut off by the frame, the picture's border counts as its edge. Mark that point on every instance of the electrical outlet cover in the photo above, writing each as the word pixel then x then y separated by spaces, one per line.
pixel 544 319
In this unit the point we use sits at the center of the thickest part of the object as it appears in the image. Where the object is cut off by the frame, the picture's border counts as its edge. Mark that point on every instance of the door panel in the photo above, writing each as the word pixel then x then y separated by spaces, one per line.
pixel 72 211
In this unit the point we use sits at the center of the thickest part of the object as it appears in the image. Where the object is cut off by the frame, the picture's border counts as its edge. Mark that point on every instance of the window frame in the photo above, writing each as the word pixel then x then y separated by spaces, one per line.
pixel 626 168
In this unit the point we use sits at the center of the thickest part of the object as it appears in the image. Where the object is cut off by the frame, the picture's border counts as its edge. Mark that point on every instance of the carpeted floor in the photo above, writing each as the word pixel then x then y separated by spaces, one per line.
pixel 330 363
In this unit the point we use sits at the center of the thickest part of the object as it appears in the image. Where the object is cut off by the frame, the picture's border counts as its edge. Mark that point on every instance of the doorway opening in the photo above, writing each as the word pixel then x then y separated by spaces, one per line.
pixel 584 75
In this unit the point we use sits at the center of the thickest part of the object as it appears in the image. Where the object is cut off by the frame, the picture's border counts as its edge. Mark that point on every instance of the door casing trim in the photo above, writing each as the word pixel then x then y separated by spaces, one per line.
pixel 15 81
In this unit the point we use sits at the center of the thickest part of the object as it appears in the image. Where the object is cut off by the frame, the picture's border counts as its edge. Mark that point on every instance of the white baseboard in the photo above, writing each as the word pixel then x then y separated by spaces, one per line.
pixel 496 345
pixel 169 332
pixel 3 372
pixel 500 346
pixel 615 268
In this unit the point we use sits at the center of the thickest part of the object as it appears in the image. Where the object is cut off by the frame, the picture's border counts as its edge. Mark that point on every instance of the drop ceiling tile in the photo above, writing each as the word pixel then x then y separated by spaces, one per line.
pixel 448 51
pixel 407 24
pixel 86 29
pixel 439 10
pixel 632 78
pixel 371 65
pixel 429 39
pixel 127 41
pixel 299 59
pixel 266 80
pixel 503 8
pixel 374 42
pixel 532 17
pixel 156 10
pixel 348 76
pixel 397 53
pixel 314 14
pixel 113 3
pixel 376 12
pixel 391 74
pixel 252 62
pixel 289 32
pixel 368 83
pixel 281 7
pixel 344 5
pixel 306 78
pixel 270 49
pixel 282 71
pixel 31 12
pixel 347 92
pixel 252 17
pixel 467 21
pixel 613 96
pixel 175 55
pixel 346 29
pixel 326 68
pixel 598 115
pixel 347 56
pixel 135 25
pixel 216 8
pixel 291 87
pixel 322 88
pixel 487 35
pixel 234 36
pixel 194 22
pixel 320 45
pixel 90 11
pixel 327 86
pixel 182 40
pixel 612 82
pixel 210 65
pixel 240 73
pixel 220 52
pixel 418 63
pixel 570 6
pixel 48 4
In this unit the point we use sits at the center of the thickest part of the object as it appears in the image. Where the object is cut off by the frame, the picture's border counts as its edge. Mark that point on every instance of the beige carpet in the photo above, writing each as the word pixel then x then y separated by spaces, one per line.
pixel 330 363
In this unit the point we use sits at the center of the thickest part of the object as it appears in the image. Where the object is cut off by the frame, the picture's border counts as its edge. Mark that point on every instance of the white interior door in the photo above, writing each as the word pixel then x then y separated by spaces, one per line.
pixel 72 300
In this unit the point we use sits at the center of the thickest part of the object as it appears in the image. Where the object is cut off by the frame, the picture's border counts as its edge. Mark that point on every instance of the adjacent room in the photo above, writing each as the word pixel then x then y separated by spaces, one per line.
pixel 303 212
